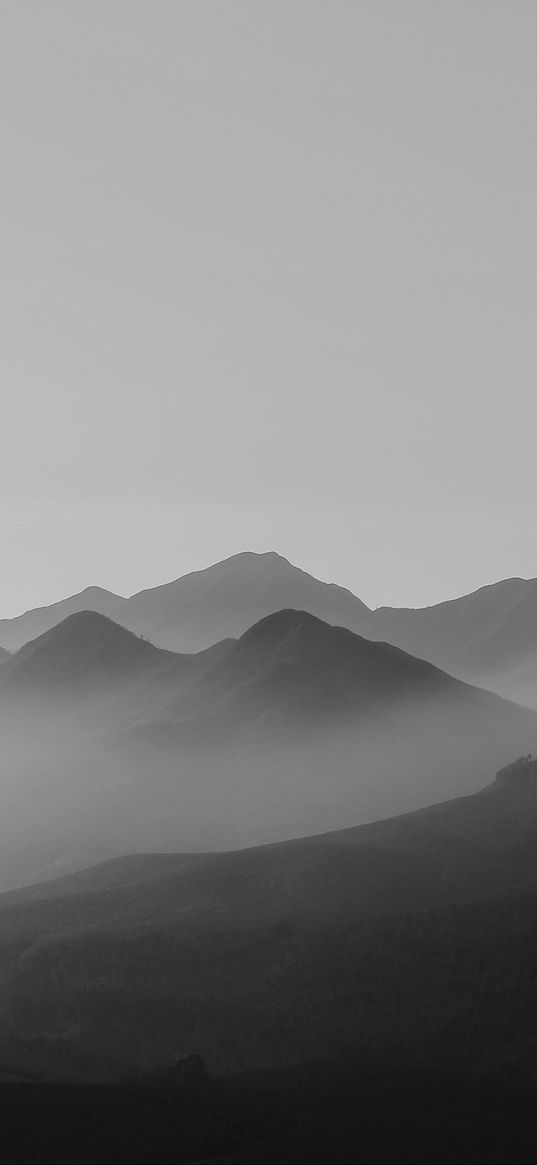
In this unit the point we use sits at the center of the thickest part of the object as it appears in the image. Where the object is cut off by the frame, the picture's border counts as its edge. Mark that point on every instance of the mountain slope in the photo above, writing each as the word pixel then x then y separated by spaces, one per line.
pixel 412 939
pixel 204 607
pixel 293 666
pixel 15 632
pixel 84 650
pixel 456 850
pixel 227 598
pixel 489 637
pixel 296 728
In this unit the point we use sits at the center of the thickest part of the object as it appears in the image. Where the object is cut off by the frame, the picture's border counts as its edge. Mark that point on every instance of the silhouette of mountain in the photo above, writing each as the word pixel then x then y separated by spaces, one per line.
pixel 84 649
pixel 295 728
pixel 15 632
pixel 293 665
pixel 227 598
pixel 204 607
pixel 488 637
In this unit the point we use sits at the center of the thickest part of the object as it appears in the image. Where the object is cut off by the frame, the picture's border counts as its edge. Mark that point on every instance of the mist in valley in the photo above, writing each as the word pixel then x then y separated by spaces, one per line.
pixel 111 746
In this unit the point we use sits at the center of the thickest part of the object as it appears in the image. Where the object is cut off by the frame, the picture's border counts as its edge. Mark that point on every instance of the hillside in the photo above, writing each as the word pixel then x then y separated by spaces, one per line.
pixel 411 938
pixel 296 728
pixel 488 637
pixel 85 649
pixel 15 632
pixel 225 600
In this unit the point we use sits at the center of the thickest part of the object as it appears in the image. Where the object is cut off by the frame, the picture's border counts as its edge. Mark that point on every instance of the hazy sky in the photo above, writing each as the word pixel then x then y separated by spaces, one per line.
pixel 268 281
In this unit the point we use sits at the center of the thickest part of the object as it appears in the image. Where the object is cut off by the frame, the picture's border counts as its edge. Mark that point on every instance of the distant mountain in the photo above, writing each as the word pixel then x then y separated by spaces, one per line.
pixel 293 668
pixel 295 728
pixel 204 607
pixel 15 632
pixel 84 650
pixel 411 940
pixel 226 599
pixel 488 637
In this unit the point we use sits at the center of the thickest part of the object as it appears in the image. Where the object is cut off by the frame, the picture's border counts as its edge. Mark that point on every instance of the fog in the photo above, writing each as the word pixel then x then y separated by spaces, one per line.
pixel 84 779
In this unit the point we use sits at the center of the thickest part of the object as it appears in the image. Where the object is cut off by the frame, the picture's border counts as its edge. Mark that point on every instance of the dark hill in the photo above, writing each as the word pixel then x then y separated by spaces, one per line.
pixel 466 848
pixel 23 628
pixel 411 941
pixel 296 728
pixel 84 649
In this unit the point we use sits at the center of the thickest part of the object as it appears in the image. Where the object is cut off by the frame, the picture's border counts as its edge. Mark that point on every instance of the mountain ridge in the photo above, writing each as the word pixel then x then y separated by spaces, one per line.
pixel 488 637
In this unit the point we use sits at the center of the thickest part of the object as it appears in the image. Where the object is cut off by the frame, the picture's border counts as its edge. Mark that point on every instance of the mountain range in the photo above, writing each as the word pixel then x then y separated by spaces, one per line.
pixel 112 744
pixel 280 851
pixel 488 638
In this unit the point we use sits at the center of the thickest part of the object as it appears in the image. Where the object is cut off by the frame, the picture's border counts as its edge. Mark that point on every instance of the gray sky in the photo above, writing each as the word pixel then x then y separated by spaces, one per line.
pixel 268 281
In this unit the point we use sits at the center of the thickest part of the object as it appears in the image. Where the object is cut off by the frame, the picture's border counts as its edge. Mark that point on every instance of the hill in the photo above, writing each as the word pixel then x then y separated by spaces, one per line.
pixel 85 649
pixel 204 607
pixel 295 728
pixel 488 637
pixel 15 632
pixel 225 600
pixel 408 941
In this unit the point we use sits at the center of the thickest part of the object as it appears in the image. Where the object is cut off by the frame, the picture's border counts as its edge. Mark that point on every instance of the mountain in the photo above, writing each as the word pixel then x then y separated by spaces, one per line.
pixel 15 632
pixel 488 637
pixel 84 650
pixel 203 607
pixel 293 668
pixel 408 941
pixel 225 600
pixel 111 744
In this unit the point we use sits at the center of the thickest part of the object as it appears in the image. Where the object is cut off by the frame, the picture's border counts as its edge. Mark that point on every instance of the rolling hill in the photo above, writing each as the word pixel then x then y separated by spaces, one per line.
pixel 411 939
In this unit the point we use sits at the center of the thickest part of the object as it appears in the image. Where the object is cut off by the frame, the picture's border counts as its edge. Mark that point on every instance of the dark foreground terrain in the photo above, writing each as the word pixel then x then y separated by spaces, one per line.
pixel 367 995
pixel 328 1114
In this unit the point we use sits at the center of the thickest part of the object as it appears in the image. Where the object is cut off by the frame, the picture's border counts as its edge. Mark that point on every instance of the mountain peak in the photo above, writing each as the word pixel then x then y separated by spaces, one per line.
pixel 84 648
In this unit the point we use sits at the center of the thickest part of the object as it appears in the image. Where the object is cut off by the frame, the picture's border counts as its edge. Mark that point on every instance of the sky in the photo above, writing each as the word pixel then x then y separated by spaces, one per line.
pixel 268 281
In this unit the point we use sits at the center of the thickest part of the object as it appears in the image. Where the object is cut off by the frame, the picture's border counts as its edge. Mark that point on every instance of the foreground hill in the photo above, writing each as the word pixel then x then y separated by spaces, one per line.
pixel 408 941
pixel 111 744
